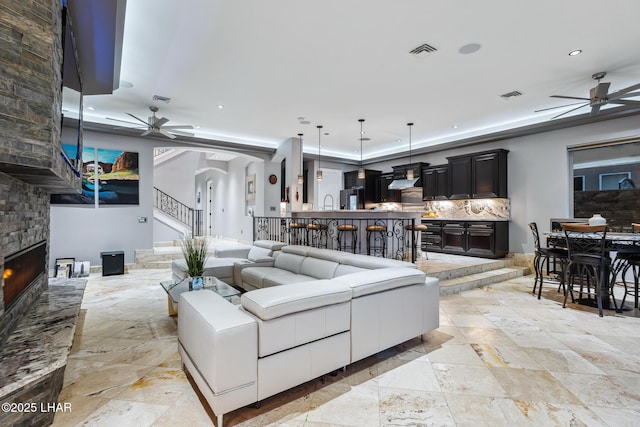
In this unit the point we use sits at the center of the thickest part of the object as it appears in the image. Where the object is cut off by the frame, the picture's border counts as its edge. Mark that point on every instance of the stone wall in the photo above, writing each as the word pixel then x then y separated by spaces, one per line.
pixel 619 207
pixel 30 105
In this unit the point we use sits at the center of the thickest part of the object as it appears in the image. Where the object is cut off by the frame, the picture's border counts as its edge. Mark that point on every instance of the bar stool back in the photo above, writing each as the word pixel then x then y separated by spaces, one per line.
pixel 378 233
pixel 588 261
pixel 317 235
pixel 343 242
pixel 628 259
pixel 297 233
pixel 542 254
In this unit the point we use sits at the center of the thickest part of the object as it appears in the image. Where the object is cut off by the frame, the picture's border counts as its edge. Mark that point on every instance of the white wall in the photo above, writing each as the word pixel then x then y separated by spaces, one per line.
pixel 539 177
pixel 83 232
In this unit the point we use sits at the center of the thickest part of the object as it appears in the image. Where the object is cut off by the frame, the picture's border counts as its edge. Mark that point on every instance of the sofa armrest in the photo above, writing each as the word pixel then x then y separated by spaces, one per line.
pixel 238 266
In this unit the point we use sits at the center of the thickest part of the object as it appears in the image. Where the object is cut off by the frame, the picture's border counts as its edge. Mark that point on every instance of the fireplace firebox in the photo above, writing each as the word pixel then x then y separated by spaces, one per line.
pixel 21 269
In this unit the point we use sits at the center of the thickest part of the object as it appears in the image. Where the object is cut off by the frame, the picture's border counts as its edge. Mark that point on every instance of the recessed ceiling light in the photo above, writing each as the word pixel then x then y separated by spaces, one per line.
pixel 91 108
pixel 220 106
pixel 398 140
pixel 469 48
pixel 198 127
pixel 455 126
pixel 575 52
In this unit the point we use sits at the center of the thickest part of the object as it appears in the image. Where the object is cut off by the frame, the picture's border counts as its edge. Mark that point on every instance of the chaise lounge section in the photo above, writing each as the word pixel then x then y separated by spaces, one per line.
pixel 323 311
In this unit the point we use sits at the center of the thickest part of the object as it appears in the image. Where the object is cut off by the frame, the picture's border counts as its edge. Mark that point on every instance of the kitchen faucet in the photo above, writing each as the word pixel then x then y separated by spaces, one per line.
pixel 324 202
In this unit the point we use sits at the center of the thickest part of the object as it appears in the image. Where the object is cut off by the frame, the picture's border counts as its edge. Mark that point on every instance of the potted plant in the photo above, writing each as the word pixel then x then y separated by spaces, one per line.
pixel 195 255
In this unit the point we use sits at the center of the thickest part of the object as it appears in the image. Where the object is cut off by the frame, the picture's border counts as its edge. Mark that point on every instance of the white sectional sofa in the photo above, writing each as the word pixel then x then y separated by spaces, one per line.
pixel 221 264
pixel 313 311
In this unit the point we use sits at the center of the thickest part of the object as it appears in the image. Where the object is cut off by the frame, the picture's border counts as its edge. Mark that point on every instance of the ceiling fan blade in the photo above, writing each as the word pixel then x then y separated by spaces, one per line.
pixel 146 132
pixel 167 134
pixel 631 95
pixel 123 121
pixel 159 122
pixel 567 112
pixel 623 92
pixel 600 91
pixel 559 106
pixel 568 97
pixel 595 109
pixel 139 119
pixel 178 127
pixel 627 102
pixel 179 132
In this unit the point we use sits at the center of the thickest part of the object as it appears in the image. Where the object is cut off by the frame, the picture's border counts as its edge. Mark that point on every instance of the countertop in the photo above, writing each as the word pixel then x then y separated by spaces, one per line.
pixel 465 219
pixel 357 213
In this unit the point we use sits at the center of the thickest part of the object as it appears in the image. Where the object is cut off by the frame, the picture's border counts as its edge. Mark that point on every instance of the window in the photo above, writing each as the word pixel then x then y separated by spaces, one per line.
pixel 578 183
pixel 610 181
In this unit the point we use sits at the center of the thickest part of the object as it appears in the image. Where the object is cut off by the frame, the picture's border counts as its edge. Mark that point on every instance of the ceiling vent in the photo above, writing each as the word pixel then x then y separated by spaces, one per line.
pixel 511 94
pixel 423 49
pixel 161 98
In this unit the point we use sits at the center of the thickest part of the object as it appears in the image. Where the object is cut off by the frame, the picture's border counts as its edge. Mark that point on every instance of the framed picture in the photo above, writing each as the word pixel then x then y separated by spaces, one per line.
pixel 250 188
pixel 64 267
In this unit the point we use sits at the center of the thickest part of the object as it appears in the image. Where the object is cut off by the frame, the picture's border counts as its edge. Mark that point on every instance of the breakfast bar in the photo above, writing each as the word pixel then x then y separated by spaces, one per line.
pixel 385 233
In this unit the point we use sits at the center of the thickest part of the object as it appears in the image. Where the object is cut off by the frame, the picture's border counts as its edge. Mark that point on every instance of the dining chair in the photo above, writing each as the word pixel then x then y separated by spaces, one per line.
pixel 627 260
pixel 543 255
pixel 589 262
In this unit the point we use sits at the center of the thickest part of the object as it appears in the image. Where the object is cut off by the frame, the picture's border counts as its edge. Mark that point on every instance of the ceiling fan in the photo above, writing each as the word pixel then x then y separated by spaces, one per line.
pixel 599 96
pixel 157 125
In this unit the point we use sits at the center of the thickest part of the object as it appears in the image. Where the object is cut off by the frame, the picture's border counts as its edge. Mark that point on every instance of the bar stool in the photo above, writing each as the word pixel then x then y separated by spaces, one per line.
pixel 414 229
pixel 543 254
pixel 297 233
pixel 377 232
pixel 628 259
pixel 588 261
pixel 343 244
pixel 317 235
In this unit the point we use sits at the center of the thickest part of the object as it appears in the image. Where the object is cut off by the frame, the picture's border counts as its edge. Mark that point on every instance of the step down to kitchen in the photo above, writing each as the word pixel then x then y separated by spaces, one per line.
pixel 476 280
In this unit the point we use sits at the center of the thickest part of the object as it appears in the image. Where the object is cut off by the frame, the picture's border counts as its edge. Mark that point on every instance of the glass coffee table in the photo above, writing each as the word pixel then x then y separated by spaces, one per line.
pixel 174 288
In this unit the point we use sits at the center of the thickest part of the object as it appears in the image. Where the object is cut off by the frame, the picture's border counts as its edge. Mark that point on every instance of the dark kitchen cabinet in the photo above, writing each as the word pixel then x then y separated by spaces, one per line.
pixel 489 175
pixel 478 175
pixel 369 183
pixel 460 177
pixel 383 194
pixel 435 182
pixel 487 239
pixel 400 172
pixel 454 237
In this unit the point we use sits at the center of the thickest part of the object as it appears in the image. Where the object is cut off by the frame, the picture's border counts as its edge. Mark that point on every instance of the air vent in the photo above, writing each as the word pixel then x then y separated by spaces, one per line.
pixel 161 98
pixel 510 94
pixel 422 49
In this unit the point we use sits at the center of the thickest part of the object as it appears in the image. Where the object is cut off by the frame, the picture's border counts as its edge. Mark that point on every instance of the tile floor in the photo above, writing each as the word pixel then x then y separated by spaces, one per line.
pixel 500 358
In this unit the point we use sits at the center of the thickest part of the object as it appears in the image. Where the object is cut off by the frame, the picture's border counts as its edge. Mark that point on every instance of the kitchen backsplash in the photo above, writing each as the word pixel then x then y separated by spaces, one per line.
pixel 494 209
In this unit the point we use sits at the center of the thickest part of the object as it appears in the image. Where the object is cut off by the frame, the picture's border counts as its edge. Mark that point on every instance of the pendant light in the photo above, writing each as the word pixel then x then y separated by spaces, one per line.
pixel 410 169
pixel 319 173
pixel 361 174
pixel 301 174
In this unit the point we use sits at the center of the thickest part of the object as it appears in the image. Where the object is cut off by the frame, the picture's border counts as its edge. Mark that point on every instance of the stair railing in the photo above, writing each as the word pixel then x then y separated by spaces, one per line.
pixel 192 218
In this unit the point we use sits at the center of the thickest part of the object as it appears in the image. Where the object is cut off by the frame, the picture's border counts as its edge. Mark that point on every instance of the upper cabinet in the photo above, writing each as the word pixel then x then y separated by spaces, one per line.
pixel 384 195
pixel 369 184
pixel 435 182
pixel 478 175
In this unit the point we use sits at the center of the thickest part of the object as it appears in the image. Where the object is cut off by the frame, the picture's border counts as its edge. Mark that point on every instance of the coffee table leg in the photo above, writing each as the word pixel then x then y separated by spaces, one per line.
pixel 172 308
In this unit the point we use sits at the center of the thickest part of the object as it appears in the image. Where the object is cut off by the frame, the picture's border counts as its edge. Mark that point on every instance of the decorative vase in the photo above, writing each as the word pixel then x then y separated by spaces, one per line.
pixel 195 283
pixel 597 219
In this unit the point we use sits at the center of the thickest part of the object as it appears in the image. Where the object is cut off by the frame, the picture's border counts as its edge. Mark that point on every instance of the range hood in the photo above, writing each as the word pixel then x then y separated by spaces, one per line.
pixel 399 184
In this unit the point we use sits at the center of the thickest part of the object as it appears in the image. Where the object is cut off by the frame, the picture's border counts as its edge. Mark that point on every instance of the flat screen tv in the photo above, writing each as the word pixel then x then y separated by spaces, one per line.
pixel 71 94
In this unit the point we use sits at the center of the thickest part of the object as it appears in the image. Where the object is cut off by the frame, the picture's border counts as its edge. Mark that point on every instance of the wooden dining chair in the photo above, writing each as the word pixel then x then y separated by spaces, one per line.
pixel 589 262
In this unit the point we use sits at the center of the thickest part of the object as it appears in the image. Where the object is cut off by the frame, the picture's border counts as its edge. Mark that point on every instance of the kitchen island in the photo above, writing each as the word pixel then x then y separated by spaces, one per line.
pixel 346 230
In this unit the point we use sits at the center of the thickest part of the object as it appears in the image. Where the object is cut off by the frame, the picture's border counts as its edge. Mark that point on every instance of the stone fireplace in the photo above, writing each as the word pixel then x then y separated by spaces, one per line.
pixel 31 167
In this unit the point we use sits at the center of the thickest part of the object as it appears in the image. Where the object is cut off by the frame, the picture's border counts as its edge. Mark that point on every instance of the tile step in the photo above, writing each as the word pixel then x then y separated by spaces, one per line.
pixel 471 281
